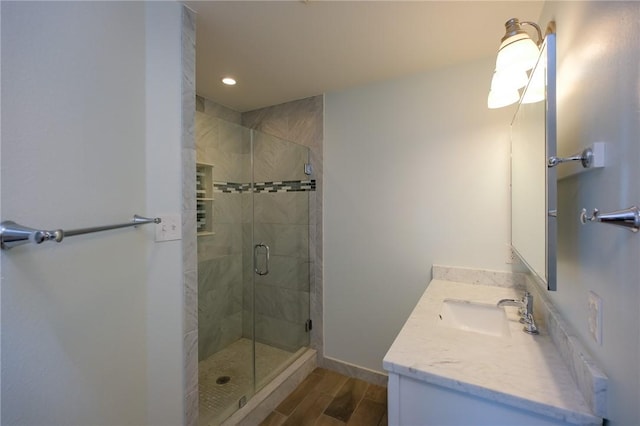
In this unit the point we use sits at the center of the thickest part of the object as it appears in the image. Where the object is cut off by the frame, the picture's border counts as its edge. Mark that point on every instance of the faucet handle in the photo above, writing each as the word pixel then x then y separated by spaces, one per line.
pixel 527 307
pixel 522 310
pixel 530 325
pixel 528 302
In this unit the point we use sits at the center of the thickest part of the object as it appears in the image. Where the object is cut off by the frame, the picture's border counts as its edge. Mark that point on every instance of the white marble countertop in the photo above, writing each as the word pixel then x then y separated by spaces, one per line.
pixel 521 371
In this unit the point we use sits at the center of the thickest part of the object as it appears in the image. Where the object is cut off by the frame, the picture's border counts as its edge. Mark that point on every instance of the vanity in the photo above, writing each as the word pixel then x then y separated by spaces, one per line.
pixel 478 368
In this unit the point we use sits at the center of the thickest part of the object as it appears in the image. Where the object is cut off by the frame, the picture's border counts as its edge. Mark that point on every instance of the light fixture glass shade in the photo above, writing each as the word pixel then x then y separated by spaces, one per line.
pixel 502 98
pixel 536 90
pixel 517 51
pixel 508 80
pixel 504 88
pixel 534 95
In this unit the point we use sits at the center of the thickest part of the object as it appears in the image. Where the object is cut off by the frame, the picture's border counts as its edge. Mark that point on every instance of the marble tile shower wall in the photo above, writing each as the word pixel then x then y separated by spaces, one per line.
pixel 216 110
pixel 189 239
pixel 226 146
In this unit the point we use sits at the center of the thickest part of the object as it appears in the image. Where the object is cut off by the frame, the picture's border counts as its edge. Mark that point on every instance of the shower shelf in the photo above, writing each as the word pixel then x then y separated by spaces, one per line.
pixel 204 199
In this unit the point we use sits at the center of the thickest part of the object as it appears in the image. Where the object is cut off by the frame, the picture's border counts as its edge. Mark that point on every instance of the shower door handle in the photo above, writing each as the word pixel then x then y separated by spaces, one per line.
pixel 256 248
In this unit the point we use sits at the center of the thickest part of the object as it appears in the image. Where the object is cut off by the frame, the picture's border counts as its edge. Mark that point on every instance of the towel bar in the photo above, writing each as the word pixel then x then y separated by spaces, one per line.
pixel 13 234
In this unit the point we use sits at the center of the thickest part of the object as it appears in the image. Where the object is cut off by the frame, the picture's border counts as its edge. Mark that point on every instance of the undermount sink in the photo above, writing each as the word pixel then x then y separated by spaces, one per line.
pixel 474 317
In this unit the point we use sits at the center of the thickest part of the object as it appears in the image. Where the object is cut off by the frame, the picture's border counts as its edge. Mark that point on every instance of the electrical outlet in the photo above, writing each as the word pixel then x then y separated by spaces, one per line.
pixel 595 317
pixel 510 256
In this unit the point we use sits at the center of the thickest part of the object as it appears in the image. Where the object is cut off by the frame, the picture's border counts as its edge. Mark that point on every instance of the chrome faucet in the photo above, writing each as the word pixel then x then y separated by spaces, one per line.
pixel 526 311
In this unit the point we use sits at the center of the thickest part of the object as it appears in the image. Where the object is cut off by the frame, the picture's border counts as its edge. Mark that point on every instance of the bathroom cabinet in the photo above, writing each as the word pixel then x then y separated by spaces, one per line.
pixel 414 402
pixel 204 199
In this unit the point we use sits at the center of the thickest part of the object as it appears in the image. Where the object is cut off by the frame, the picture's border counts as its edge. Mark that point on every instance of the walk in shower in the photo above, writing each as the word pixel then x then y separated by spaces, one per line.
pixel 253 195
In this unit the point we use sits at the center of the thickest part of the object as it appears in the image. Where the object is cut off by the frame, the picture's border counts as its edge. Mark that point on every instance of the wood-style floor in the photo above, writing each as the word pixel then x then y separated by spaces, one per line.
pixel 327 398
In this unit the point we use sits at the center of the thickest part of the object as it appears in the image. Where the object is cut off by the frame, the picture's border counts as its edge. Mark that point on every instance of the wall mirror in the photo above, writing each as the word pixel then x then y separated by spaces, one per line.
pixel 533 184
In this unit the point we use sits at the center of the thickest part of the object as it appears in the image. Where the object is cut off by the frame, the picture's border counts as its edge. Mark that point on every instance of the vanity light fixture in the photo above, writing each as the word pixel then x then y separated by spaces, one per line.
pixel 517 49
pixel 229 81
pixel 518 54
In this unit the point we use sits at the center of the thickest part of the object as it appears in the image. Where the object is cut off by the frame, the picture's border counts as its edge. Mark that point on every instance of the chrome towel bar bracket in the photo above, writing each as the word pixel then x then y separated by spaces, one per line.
pixel 13 234
pixel 591 158
pixel 627 218
pixel 585 157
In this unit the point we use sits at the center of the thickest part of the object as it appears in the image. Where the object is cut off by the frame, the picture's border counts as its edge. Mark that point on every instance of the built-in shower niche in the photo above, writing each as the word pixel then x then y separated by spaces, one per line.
pixel 204 199
pixel 250 326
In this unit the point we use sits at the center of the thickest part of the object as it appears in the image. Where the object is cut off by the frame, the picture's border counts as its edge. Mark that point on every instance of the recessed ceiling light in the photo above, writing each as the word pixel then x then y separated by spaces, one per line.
pixel 229 81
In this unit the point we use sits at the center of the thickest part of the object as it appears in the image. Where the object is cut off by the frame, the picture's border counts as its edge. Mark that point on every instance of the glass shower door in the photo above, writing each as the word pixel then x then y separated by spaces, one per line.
pixel 253 262
pixel 225 349
pixel 280 253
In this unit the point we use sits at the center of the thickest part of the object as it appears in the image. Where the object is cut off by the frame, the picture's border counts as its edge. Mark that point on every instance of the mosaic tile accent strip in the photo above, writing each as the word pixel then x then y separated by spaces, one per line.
pixel 286 186
pixel 281 186
pixel 231 187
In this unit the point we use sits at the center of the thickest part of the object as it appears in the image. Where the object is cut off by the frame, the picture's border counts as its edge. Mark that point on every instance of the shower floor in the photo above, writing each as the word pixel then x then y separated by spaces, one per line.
pixel 218 401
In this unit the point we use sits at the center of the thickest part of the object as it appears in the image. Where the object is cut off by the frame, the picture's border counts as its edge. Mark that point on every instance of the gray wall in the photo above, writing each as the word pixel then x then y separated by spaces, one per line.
pixel 91 134
pixel 417 173
pixel 599 101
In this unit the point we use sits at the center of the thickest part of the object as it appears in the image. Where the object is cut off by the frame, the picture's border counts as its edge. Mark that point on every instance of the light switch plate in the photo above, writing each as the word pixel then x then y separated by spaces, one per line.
pixel 594 319
pixel 170 228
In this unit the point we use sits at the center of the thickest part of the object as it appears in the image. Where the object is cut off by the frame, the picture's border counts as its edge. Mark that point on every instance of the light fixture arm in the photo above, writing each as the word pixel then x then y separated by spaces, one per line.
pixel 514 26
pixel 537 27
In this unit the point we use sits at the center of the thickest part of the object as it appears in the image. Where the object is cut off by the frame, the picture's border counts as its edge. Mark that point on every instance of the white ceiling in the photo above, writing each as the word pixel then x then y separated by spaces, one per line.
pixel 285 50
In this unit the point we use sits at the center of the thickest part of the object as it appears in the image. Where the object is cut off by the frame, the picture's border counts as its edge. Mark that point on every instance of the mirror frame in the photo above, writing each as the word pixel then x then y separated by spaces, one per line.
pixel 548 49
pixel 551 136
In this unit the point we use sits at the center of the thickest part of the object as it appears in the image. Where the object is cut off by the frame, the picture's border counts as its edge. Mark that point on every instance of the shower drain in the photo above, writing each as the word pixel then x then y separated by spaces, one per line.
pixel 223 380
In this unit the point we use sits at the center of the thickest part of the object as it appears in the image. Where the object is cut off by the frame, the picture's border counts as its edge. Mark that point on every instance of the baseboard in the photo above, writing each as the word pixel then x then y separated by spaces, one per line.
pixel 352 370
